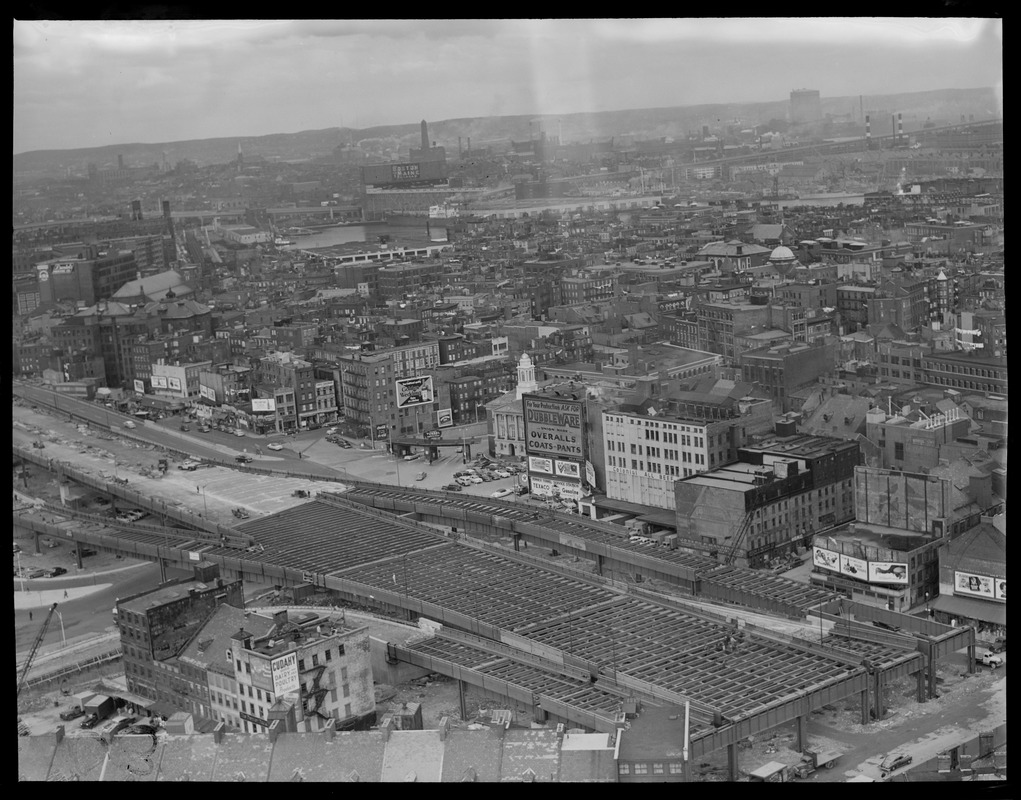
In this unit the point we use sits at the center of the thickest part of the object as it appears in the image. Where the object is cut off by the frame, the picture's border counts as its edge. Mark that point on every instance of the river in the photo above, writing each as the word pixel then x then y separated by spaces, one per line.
pixel 344 234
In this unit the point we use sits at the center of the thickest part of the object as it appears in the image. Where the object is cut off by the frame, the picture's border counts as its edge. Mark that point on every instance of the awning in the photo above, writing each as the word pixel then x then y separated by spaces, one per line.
pixel 644 513
pixel 971 608
pixel 129 697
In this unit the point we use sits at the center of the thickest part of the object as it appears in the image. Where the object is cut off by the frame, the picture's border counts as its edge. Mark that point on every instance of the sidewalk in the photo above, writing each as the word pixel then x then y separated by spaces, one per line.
pixel 42 598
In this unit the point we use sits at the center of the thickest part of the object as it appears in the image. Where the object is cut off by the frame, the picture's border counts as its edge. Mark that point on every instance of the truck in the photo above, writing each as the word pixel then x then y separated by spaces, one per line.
pixel 773 772
pixel 97 708
pixel 815 759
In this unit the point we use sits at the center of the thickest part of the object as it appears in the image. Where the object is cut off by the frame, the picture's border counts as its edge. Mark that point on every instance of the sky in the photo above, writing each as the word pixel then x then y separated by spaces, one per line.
pixel 92 83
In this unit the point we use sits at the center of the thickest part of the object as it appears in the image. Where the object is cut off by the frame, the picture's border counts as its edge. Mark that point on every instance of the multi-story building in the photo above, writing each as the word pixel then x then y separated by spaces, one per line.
pixel 179 381
pixel 157 624
pixel 973 580
pixel 86 277
pixel 770 501
pixel 396 281
pixel 965 372
pixel 719 322
pixel 912 441
pixel 588 287
pixel 780 370
pixel 286 371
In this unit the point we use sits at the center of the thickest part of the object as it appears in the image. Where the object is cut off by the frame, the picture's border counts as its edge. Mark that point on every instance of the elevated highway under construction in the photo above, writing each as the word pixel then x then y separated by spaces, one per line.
pixel 560 640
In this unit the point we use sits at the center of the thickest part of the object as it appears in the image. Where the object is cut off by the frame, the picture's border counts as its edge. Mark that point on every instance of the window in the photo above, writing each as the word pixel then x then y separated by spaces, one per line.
pixel 675 768
pixel 641 769
pixel 329 655
pixel 315 659
pixel 347 690
pixel 657 769
pixel 343 673
pixel 347 709
pixel 624 769
pixel 301 665
pixel 898 451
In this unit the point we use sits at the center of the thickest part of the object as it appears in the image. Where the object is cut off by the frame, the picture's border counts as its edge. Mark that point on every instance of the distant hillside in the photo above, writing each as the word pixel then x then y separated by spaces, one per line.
pixel 645 123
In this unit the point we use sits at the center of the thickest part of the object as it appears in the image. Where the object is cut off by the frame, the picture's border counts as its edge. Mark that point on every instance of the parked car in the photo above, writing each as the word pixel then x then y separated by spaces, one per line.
pixel 420 476
pixel 238 432
pixel 185 428
pixel 345 443
pixel 204 429
pixel 55 571
pixel 35 573
pixel 188 466
pixel 452 487
pixel 464 480
pixel 412 457
pixel 894 761
pixel 89 722
pixel 71 713
pixel 275 446
pixel 503 473
pixel 475 479
pixel 986 660
pixel 501 493
pixel 331 431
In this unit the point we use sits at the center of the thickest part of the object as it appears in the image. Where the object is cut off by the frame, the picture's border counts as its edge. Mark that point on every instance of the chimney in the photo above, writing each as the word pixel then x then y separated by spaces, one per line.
pixel 425 136
pixel 330 729
pixel 275 729
pixel 218 732
pixel 280 617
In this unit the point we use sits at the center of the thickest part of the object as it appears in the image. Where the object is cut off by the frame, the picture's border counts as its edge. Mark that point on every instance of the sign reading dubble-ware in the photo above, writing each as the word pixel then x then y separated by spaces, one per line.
pixel 553 427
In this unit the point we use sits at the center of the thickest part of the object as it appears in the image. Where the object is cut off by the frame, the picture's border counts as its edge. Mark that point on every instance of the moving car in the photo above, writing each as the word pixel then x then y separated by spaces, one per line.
pixel 893 762
pixel 185 428
pixel 412 457
pixel 420 476
pixel 501 493
pixel 243 458
pixel 129 424
pixel 275 446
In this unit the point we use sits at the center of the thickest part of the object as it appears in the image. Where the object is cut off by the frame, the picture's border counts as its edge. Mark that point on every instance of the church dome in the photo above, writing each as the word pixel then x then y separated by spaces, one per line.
pixel 782 254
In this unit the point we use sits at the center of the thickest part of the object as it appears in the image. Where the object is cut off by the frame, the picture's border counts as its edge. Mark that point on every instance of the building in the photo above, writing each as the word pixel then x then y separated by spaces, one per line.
pixel 912 440
pixel 156 625
pixel 806 106
pixel 179 381
pixel 973 580
pixel 285 371
pixel 782 369
pixel 965 372
pixel 771 501
pixel 85 277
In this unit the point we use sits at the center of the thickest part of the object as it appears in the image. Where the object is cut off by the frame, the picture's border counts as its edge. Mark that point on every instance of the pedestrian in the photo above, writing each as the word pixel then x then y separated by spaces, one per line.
pixel 65 594
pixel 196 489
pixel 29 616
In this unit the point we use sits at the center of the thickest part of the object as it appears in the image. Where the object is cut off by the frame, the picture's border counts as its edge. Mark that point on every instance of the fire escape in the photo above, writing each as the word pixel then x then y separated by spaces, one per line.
pixel 316 694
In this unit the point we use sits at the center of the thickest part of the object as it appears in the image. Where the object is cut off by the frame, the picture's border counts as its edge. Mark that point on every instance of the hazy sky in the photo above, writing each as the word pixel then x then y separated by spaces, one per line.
pixel 92 83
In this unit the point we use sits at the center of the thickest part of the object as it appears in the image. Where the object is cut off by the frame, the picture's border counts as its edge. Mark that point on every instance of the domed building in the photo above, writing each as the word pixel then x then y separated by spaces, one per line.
pixel 783 260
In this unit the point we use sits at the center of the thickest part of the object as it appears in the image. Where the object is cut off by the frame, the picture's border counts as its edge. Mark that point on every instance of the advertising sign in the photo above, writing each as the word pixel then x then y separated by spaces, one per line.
pixel 544 487
pixel 434 434
pixel 444 417
pixel 405 172
pixel 159 382
pixel 1000 589
pixel 253 720
pixel 540 465
pixel 590 473
pixel 285 673
pixel 888 572
pixel 383 431
pixel 264 404
pixel 414 391
pixel 568 469
pixel 553 427
pixel 261 677
pixel 854 567
pixel 139 386
pixel 976 585
pixel 826 559
pixel 207 392
pixel 174 384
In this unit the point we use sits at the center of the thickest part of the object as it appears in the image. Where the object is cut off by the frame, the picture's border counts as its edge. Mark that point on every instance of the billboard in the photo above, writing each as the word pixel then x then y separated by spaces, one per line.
pixel 553 427
pixel 285 673
pixel 1000 589
pixel 207 392
pixel 975 585
pixel 444 417
pixel 174 383
pixel 383 431
pixel 854 567
pixel 159 382
pixel 545 487
pixel 888 572
pixel 827 559
pixel 568 469
pixel 265 404
pixel 405 172
pixel 139 386
pixel 414 391
pixel 540 465
pixel 434 434
pixel 590 474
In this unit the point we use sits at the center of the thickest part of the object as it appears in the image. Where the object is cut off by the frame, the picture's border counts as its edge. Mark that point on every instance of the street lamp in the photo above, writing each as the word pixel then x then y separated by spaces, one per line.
pixel 63 638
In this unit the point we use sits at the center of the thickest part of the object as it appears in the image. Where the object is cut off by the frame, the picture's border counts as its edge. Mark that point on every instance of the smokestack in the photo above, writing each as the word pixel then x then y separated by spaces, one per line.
pixel 425 136
pixel 893 126
pixel 868 128
pixel 900 127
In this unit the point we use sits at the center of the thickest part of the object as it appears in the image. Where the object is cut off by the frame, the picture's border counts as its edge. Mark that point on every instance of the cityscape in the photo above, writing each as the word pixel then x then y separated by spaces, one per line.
pixel 602 401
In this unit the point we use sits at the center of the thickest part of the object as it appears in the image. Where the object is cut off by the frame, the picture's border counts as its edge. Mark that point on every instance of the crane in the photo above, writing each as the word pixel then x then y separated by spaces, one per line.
pixel 35 646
